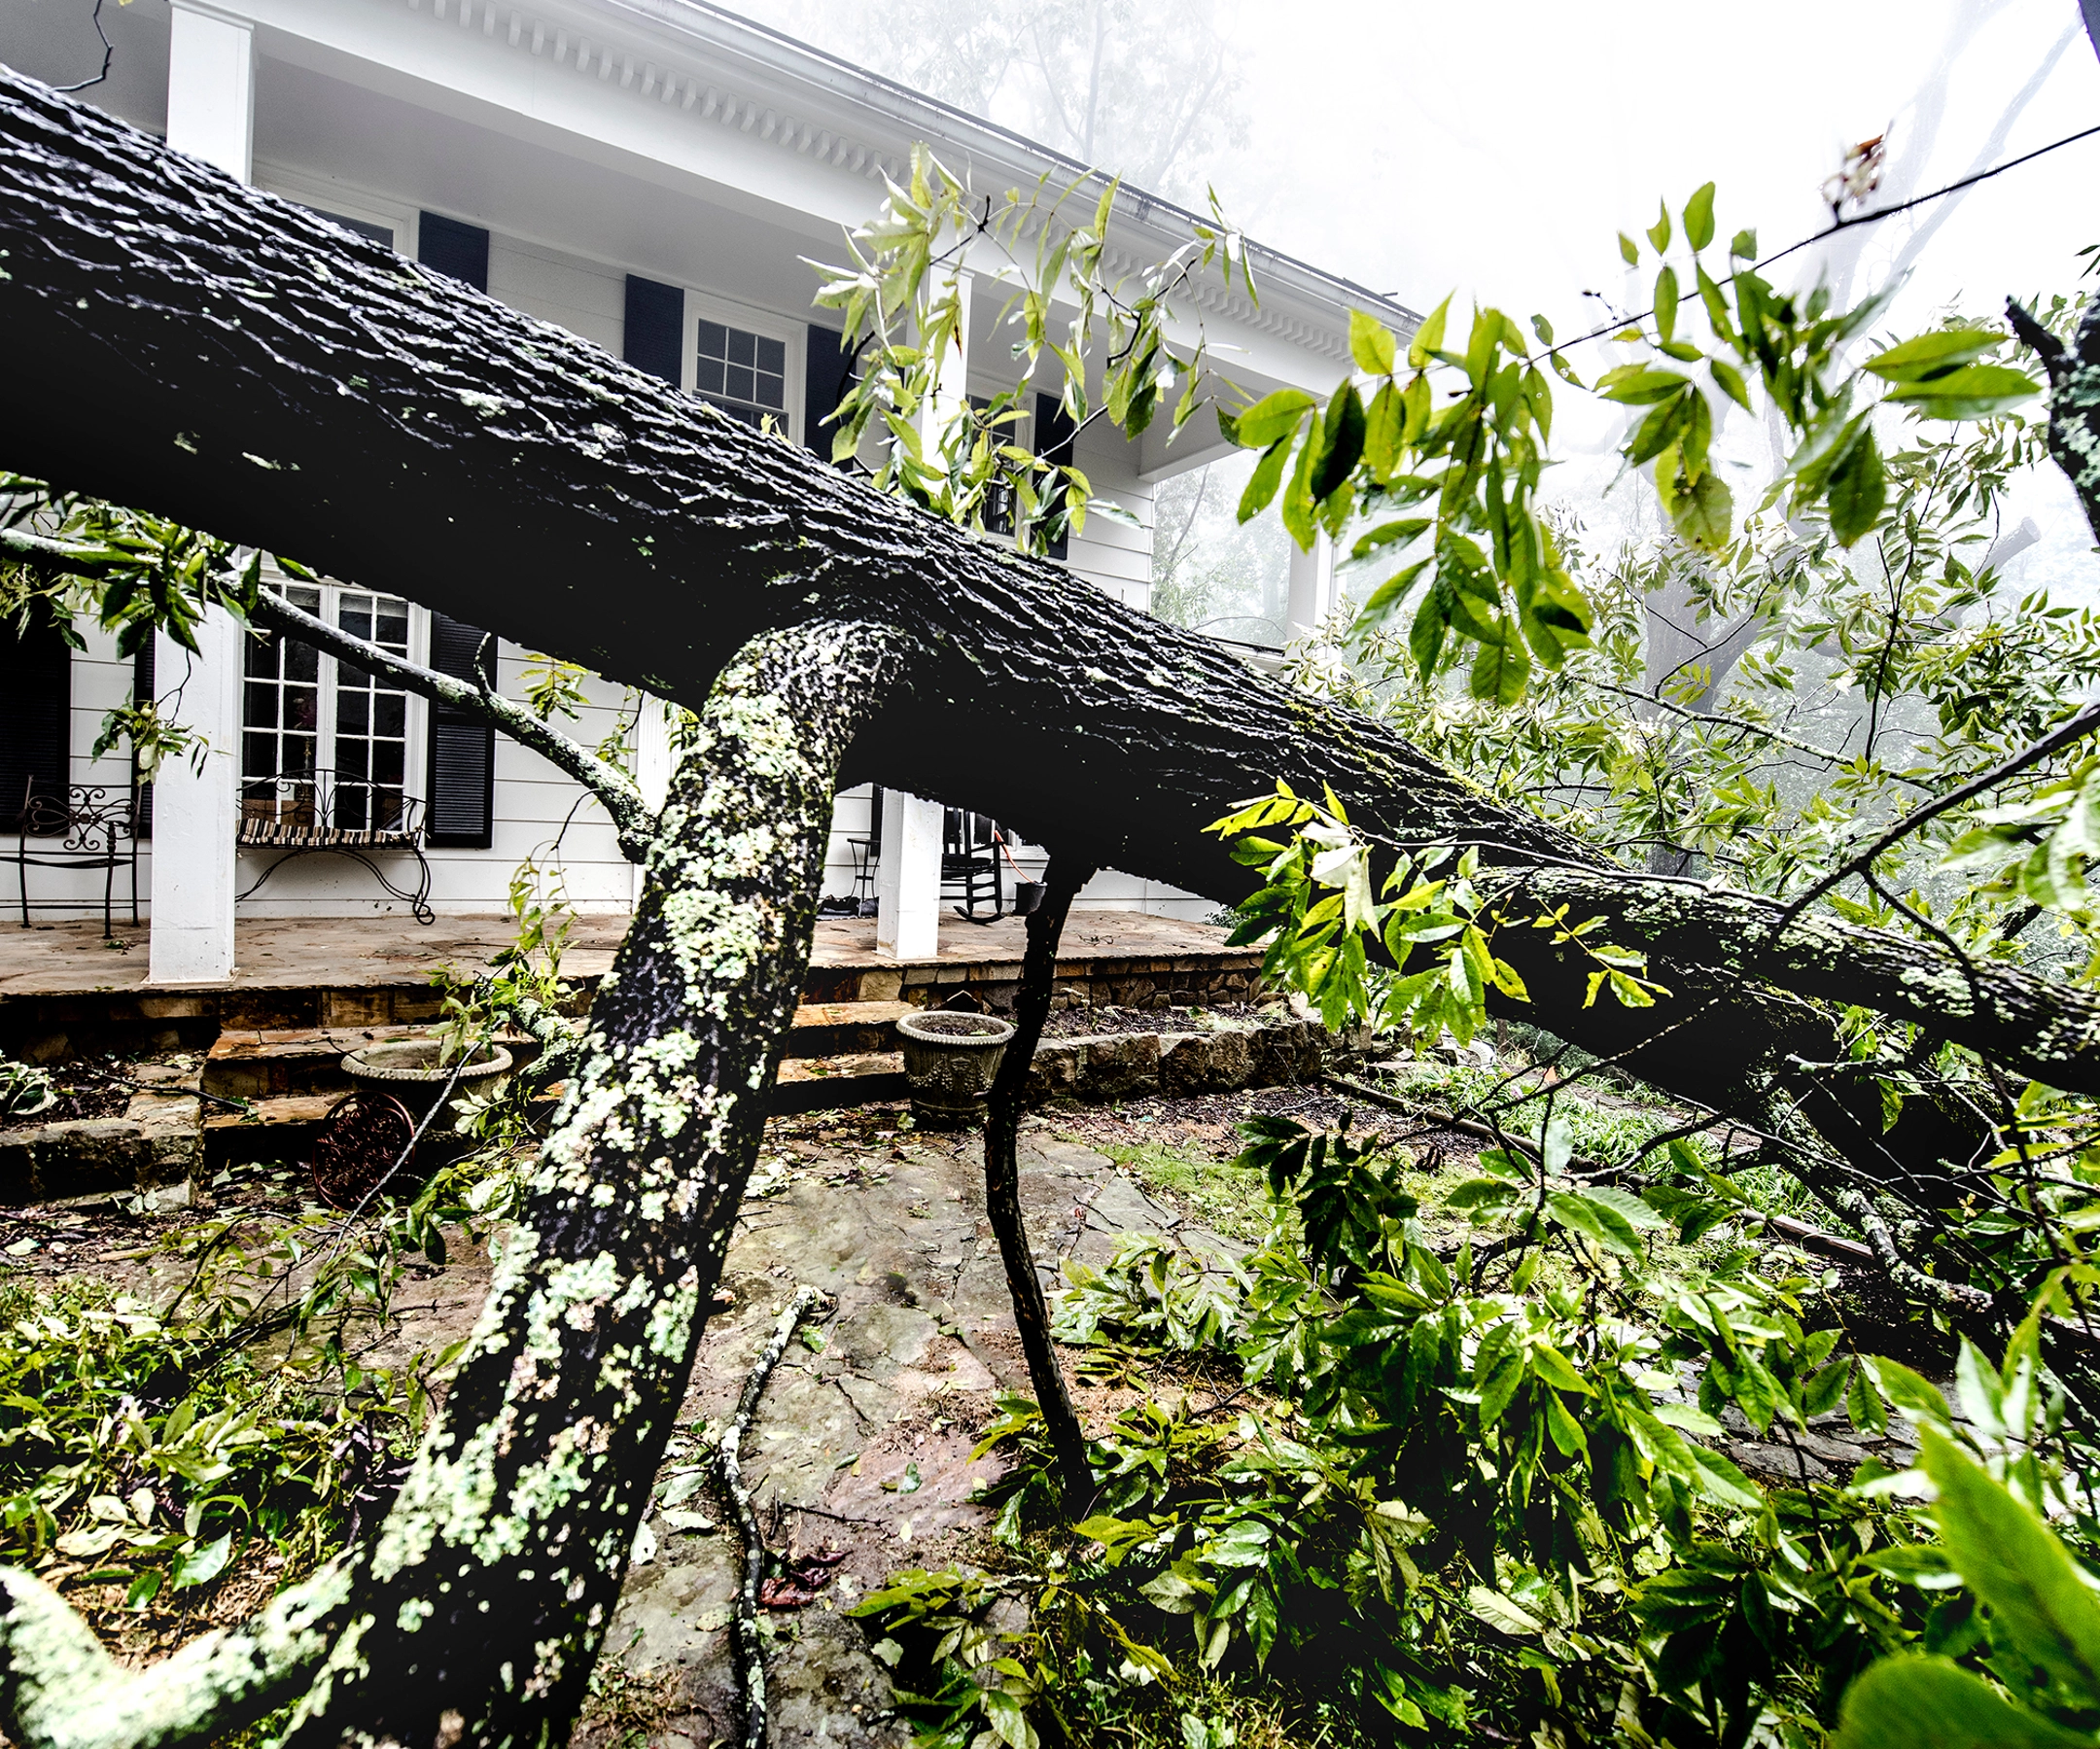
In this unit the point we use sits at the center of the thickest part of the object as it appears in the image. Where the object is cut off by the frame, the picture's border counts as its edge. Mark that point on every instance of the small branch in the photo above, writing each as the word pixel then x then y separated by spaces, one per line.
pixel 1061 882
pixel 2038 340
pixel 2072 728
pixel 740 1502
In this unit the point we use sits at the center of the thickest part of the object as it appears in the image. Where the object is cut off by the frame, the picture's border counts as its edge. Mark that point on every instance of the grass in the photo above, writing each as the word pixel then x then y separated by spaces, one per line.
pixel 1232 1200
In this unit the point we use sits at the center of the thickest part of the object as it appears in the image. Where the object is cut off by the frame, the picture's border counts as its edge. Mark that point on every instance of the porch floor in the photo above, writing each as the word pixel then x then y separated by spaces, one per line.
pixel 70 957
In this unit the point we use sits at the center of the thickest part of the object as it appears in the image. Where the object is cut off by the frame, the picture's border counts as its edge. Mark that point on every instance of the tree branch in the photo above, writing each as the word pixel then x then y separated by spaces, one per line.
pixel 1061 882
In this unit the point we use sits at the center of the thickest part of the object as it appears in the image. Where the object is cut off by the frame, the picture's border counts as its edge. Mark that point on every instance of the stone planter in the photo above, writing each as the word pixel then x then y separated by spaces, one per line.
pixel 411 1070
pixel 949 1061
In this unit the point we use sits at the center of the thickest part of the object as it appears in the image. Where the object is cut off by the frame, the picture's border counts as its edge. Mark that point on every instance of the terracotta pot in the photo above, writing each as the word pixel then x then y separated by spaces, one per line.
pixel 950 1059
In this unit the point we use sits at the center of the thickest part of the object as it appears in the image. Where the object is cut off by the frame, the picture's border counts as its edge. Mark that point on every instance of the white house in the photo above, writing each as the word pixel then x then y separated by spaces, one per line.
pixel 649 174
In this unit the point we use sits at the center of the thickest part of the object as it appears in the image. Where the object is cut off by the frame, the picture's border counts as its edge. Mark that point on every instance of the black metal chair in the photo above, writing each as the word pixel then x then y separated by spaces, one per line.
pixel 95 825
pixel 326 815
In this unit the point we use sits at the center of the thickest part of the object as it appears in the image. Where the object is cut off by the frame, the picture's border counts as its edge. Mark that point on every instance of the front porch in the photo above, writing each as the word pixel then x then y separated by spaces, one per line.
pixel 64 991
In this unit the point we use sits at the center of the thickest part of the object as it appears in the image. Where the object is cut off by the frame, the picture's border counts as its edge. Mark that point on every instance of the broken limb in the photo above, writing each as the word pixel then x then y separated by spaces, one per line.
pixel 475 1613
pixel 1061 882
pixel 751 1653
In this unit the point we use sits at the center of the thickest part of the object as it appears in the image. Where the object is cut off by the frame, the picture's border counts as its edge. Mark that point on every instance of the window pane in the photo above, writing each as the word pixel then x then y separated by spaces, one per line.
pixel 740 384
pixel 390 713
pixel 772 390
pixel 708 376
pixel 743 347
pixel 394 625
pixel 772 355
pixel 356 620
pixel 714 340
pixel 261 710
pixel 302 662
pixel 352 709
pixel 387 761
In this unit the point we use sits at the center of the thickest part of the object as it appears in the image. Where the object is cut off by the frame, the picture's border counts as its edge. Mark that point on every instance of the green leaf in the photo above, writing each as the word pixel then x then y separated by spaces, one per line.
pixel 2013 1564
pixel 1934 1704
pixel 1390 593
pixel 1628 250
pixel 1430 337
pixel 1606 1225
pixel 1857 489
pixel 1666 302
pixel 202 1565
pixel 1384 431
pixel 1933 354
pixel 1731 383
pixel 1698 216
pixel 1386 534
pixel 1704 512
pixel 1659 233
pixel 1974 392
pixel 1272 417
pixel 1371 344
pixel 1744 246
pixel 1267 477
pixel 1341 442
pixel 1501 670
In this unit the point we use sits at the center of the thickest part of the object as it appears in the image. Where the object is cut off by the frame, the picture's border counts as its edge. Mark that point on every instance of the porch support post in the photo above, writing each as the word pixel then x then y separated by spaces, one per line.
pixel 907 878
pixel 211 115
pixel 1312 595
pixel 652 765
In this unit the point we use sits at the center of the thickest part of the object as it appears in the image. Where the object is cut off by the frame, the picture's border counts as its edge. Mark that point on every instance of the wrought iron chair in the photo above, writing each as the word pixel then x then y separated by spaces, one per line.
pixel 324 814
pixel 970 861
pixel 95 825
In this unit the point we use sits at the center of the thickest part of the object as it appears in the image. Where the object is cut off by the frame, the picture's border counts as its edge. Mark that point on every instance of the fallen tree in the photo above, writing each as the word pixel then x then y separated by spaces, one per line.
pixel 188 344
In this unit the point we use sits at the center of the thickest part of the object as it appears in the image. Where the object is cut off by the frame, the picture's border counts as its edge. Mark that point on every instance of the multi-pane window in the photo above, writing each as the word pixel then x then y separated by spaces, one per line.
pixel 325 744
pixel 744 374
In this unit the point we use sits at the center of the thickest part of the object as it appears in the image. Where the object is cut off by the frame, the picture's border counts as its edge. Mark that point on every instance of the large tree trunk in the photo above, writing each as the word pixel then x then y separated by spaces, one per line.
pixel 188 344
pixel 474 1614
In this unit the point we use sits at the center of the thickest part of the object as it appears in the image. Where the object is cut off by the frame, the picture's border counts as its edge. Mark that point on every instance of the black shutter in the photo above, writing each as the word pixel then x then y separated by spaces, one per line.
pixel 654 337
pixel 461 812
pixel 36 708
pixel 455 248
pixel 830 373
pixel 143 693
pixel 1054 434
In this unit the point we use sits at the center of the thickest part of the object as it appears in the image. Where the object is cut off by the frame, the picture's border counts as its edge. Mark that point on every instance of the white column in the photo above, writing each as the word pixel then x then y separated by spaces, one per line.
pixel 907 879
pixel 653 763
pixel 211 86
pixel 1312 596
pixel 197 812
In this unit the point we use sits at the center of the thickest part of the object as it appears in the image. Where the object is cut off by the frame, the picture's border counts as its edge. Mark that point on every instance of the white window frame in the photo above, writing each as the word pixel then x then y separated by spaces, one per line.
pixel 792 334
pixel 415 719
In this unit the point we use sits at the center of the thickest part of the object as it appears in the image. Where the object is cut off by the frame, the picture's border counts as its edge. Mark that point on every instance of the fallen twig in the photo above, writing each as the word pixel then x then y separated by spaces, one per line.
pixel 740 1502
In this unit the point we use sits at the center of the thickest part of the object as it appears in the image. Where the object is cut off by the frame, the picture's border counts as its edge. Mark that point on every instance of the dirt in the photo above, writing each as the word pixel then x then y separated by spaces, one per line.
pixel 1093 1023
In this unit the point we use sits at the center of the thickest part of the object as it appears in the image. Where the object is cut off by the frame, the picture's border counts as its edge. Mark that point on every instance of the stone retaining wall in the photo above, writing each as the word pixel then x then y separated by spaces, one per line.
pixel 1114 1065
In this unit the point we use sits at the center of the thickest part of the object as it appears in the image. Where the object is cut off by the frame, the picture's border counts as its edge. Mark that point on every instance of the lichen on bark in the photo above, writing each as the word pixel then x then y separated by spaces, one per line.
pixel 475 1614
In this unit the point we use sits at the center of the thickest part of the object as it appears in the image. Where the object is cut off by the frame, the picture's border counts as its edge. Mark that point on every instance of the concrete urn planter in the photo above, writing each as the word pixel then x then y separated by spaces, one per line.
pixel 413 1071
pixel 950 1059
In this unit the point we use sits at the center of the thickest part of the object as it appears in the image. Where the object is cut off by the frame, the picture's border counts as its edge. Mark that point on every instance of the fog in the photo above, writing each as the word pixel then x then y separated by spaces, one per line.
pixel 1496 149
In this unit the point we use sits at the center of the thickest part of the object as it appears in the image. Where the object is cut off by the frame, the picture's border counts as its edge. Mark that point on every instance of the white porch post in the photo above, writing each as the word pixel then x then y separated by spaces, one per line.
pixel 652 765
pixel 907 878
pixel 1312 596
pixel 211 115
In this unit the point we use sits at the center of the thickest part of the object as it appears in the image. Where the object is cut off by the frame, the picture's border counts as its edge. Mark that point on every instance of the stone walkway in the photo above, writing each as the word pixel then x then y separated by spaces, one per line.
pixel 862 1445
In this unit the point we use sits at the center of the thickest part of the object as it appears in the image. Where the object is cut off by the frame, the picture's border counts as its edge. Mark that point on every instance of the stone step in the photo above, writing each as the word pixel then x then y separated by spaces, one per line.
pixel 280 1063
pixel 826 1083
pixel 844 1028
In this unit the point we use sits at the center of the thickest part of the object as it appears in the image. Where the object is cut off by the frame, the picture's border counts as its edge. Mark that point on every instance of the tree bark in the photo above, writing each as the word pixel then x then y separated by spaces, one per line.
pixel 291 387
pixel 1061 882
pixel 475 1614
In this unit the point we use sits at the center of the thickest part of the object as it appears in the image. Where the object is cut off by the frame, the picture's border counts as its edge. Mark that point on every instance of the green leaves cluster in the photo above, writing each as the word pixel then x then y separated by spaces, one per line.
pixel 1490 571
pixel 903 299
pixel 1320 917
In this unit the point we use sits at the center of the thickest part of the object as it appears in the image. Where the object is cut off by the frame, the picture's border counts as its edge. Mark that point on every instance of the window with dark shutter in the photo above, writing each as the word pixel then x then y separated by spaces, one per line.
pixel 1055 434
pixel 460 251
pixel 829 375
pixel 655 330
pixel 744 374
pixel 36 704
pixel 460 809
